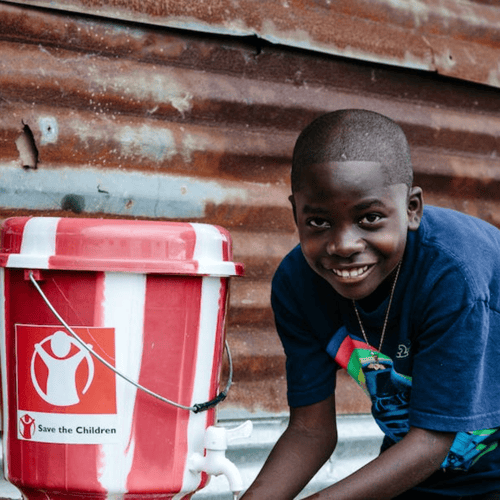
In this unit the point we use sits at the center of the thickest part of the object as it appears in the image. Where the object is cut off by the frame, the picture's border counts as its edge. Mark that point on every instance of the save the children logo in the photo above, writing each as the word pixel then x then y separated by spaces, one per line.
pixel 60 385
pixel 64 395
pixel 27 426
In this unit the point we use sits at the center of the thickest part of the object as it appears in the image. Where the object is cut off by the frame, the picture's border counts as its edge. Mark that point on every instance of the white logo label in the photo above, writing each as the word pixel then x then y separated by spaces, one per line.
pixel 61 379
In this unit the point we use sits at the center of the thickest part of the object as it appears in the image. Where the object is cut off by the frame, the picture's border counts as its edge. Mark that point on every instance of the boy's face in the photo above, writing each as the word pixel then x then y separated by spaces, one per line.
pixel 352 225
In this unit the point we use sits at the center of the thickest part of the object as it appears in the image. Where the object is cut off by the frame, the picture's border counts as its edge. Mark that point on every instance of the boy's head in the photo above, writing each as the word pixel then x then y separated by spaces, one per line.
pixel 353 199
pixel 353 134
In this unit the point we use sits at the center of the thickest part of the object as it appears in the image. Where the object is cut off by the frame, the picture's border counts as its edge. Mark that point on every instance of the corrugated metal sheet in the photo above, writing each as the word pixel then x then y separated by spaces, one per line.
pixel 105 118
pixel 459 39
pixel 132 121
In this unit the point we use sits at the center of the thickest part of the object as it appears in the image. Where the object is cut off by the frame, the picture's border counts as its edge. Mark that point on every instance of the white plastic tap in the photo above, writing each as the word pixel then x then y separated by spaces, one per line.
pixel 215 461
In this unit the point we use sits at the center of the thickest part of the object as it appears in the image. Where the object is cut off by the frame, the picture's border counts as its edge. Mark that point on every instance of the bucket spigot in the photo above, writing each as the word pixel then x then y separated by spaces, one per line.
pixel 215 461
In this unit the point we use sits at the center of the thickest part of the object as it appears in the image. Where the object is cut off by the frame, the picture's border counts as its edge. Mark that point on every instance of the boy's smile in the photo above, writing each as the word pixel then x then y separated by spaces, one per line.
pixel 353 225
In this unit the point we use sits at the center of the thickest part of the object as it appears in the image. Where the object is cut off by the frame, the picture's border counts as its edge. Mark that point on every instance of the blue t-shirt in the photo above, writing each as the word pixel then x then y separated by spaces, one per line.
pixel 441 351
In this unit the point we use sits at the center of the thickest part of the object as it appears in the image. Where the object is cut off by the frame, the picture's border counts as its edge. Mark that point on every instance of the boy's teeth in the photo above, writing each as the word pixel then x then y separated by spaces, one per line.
pixel 344 273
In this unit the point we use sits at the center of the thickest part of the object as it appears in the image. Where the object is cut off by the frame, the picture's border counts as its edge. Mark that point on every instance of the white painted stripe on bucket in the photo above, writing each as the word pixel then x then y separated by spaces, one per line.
pixel 208 248
pixel 123 309
pixel 208 251
pixel 209 313
pixel 38 244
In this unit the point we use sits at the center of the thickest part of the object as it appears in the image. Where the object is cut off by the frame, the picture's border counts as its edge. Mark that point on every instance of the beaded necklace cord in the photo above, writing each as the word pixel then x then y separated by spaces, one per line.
pixel 376 365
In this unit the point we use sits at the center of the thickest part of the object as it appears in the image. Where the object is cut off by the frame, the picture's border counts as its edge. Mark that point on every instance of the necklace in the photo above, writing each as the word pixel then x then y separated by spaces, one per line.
pixel 376 365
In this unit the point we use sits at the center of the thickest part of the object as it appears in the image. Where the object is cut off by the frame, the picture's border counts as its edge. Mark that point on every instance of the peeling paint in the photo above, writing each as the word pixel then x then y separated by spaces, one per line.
pixel 155 144
pixel 129 193
pixel 156 84
pixel 166 90
pixel 192 143
pixel 49 129
pixel 445 61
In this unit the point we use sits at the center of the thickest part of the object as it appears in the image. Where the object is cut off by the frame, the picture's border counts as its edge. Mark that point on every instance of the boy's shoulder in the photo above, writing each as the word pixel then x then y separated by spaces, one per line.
pixel 461 232
pixel 457 250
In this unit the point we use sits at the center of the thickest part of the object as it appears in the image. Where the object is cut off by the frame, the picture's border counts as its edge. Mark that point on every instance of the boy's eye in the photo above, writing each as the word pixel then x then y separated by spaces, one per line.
pixel 370 219
pixel 318 223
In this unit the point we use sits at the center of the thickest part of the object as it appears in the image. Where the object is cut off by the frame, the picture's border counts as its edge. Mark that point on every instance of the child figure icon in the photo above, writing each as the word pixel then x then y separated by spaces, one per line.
pixel 61 387
pixel 26 426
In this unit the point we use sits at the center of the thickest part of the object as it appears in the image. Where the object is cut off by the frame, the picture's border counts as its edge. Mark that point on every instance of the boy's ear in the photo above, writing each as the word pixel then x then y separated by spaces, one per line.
pixel 415 208
pixel 291 199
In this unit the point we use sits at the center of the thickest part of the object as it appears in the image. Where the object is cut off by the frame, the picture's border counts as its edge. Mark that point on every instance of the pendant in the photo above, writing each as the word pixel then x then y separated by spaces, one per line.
pixel 376 366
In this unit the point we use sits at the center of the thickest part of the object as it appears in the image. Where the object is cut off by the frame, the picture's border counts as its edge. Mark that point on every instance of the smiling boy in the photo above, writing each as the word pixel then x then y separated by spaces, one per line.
pixel 407 300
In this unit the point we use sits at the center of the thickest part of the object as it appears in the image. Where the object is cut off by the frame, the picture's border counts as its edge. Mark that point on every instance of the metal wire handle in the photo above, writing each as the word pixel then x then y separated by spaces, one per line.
pixel 196 408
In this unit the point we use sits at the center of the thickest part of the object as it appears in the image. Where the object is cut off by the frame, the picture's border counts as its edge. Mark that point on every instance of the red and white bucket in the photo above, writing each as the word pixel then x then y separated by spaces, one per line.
pixel 149 299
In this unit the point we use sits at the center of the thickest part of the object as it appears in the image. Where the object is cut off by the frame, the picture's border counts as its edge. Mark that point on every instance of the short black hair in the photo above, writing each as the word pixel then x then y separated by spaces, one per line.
pixel 353 135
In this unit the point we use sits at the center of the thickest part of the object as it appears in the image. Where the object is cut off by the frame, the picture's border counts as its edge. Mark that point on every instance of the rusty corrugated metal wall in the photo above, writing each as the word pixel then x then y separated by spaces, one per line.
pixel 453 38
pixel 121 119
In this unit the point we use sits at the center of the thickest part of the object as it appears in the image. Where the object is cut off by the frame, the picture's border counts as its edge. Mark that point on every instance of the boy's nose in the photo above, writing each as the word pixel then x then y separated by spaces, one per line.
pixel 345 244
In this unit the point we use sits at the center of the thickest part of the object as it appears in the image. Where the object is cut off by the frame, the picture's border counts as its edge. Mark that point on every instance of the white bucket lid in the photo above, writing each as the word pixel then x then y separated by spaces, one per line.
pixel 180 248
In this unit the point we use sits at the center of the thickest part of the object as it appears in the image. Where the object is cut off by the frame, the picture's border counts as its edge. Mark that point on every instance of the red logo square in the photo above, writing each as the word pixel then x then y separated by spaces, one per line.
pixel 56 374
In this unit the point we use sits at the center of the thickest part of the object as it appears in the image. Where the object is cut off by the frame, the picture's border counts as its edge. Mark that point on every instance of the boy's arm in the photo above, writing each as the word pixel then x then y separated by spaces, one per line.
pixel 399 468
pixel 304 447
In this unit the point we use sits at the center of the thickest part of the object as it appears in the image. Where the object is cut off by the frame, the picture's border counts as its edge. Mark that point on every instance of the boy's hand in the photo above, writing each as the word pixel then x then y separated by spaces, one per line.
pixel 403 466
pixel 304 447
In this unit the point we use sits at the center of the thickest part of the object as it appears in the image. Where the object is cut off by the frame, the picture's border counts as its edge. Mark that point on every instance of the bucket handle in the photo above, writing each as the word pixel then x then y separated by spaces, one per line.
pixel 196 408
